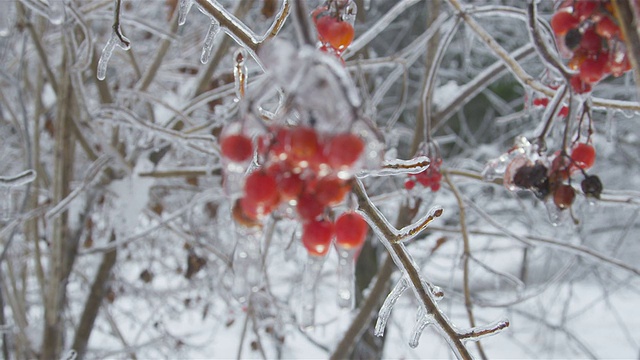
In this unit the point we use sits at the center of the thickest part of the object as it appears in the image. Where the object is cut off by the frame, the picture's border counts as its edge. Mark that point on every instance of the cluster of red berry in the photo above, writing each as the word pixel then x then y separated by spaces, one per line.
pixel 429 178
pixel 301 169
pixel 334 24
pixel 349 231
pixel 555 181
pixel 588 33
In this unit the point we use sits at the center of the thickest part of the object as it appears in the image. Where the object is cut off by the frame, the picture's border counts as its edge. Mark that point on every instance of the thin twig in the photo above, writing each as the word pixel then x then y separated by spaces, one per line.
pixel 466 254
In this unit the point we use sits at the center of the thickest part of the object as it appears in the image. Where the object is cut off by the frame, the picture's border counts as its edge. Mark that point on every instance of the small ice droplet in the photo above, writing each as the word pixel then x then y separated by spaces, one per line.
pixel 214 29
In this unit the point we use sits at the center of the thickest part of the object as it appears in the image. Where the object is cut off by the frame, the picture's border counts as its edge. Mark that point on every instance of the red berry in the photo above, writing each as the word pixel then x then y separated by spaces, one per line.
pixel 344 150
pixel 579 86
pixel 303 143
pixel 339 34
pixel 236 147
pixel 351 230
pixel 593 69
pixel 564 111
pixel 607 28
pixel 330 190
pixel 583 156
pixel 317 237
pixel 577 58
pixel 290 186
pixel 308 207
pixel 560 166
pixel 563 196
pixel 243 218
pixel 409 184
pixel 585 8
pixel 261 188
pixel 591 41
pixel 543 101
pixel 563 21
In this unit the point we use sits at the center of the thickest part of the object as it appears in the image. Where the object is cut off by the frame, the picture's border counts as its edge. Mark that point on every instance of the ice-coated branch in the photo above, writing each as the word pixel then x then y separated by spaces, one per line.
pixel 479 332
pixel 398 167
pixel 20 179
pixel 541 45
pixel 466 254
pixel 117 38
pixel 236 28
pixel 389 302
pixel 519 72
pixel 386 233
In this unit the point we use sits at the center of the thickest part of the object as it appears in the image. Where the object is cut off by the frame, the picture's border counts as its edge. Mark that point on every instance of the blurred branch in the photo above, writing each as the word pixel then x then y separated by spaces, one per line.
pixel 466 254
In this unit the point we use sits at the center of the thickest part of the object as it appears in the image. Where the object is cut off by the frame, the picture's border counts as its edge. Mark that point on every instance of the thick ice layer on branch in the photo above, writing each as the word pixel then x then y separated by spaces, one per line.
pixel 22 178
pixel 183 10
pixel 114 40
pixel 385 310
pixel 214 29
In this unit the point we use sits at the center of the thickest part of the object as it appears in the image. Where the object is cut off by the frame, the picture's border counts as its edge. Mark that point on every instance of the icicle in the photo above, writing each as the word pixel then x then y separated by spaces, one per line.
pixel 247 263
pixel 346 277
pixel 240 73
pixel 23 178
pixel 310 278
pixel 610 125
pixel 556 216
pixel 214 29
pixel 183 10
pixel 6 17
pixel 422 320
pixel 114 40
pixel 435 291
pixel 56 12
pixel 385 310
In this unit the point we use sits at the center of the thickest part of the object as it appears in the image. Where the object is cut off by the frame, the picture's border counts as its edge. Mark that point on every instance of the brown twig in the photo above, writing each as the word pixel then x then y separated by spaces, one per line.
pixel 465 258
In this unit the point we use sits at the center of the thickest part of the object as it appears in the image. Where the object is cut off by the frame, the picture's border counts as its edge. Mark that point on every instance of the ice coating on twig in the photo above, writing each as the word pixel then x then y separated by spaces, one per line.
pixel 398 167
pixel 422 321
pixel 20 179
pixel 480 332
pixel 240 72
pixel 56 12
pixel 310 278
pixel 114 40
pixel 214 29
pixel 183 10
pixel 346 278
pixel 385 309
